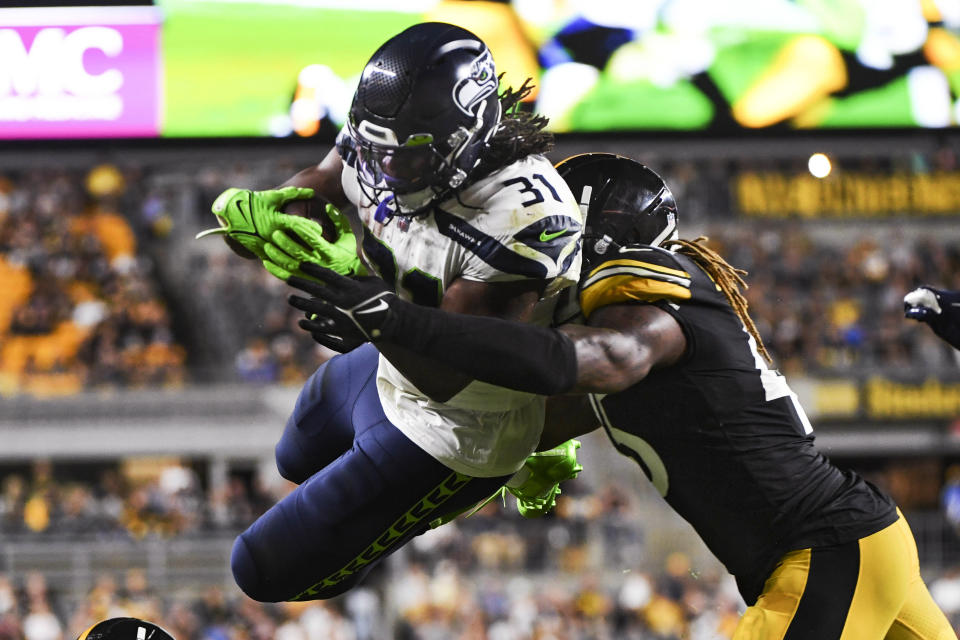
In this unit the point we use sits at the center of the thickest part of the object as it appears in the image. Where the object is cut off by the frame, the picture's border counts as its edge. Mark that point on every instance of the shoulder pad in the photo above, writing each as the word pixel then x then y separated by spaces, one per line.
pixel 636 273
pixel 522 220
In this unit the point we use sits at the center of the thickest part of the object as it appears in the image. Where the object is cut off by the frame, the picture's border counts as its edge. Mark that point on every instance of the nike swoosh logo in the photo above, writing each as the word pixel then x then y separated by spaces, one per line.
pixel 381 306
pixel 547 237
pixel 247 217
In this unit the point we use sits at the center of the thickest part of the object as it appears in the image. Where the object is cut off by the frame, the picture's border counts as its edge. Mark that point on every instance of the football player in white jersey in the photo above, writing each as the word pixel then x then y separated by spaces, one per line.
pixel 457 209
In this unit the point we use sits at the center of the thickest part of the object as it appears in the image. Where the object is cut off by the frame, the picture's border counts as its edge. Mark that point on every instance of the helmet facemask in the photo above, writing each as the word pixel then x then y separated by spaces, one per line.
pixel 619 221
pixel 411 176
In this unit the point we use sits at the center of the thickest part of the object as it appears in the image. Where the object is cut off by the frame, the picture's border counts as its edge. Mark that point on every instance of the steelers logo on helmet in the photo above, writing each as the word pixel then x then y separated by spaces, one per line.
pixel 624 203
pixel 424 110
pixel 125 629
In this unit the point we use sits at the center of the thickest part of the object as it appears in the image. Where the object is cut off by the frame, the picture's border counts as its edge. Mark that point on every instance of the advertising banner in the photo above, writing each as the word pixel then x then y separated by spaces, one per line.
pixel 880 399
pixel 850 195
pixel 79 72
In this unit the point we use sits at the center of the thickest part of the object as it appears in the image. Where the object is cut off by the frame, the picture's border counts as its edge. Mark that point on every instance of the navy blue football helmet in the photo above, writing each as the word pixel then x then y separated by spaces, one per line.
pixel 424 110
pixel 623 201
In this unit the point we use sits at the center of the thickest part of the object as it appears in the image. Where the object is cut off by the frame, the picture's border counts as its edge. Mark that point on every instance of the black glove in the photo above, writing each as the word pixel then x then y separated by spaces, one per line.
pixel 938 308
pixel 325 331
pixel 344 312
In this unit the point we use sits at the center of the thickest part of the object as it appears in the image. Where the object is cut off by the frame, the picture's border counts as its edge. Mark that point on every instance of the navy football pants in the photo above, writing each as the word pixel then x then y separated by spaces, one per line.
pixel 365 490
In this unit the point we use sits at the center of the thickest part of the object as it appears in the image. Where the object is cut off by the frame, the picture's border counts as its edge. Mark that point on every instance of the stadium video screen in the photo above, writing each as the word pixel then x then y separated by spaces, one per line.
pixel 229 68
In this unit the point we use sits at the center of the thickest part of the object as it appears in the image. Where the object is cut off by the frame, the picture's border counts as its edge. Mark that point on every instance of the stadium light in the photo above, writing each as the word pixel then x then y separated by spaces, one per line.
pixel 819 165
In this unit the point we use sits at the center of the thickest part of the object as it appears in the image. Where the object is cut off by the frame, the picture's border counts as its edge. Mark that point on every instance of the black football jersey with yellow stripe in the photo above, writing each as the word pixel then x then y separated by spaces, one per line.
pixel 720 435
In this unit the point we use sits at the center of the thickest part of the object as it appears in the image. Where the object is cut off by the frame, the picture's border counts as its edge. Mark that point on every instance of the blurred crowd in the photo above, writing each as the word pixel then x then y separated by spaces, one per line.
pixel 838 307
pixel 416 598
pixel 493 575
pixel 603 565
pixel 268 345
pixel 418 604
pixel 490 575
pixel 80 306
pixel 160 500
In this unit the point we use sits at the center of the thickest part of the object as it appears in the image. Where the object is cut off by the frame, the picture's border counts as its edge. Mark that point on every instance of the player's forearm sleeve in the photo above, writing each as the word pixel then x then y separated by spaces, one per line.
pixel 504 353
pixel 947 324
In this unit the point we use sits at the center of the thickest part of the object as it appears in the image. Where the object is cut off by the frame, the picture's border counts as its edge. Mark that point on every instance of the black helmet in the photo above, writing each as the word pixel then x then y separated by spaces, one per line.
pixel 124 629
pixel 423 112
pixel 623 202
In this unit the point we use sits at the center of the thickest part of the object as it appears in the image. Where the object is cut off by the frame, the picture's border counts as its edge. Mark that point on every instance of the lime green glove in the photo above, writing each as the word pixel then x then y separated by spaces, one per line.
pixel 248 218
pixel 284 253
pixel 251 220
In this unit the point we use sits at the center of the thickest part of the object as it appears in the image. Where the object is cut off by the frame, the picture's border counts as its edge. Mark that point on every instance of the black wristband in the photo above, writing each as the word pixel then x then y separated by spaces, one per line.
pixel 508 354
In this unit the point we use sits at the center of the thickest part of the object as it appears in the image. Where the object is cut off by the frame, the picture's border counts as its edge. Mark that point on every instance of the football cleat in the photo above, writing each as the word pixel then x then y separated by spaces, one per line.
pixel 537 484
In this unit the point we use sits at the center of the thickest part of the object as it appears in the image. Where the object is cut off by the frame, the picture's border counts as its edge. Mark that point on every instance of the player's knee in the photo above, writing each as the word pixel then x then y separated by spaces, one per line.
pixel 248 575
pixel 296 459
pixel 270 586
pixel 290 461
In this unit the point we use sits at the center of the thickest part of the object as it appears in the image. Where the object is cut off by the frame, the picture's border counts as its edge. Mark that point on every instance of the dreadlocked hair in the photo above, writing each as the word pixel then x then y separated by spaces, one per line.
pixel 727 277
pixel 520 133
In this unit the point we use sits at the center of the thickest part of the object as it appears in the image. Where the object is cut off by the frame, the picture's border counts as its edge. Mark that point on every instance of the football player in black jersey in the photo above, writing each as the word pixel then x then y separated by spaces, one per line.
pixel 677 375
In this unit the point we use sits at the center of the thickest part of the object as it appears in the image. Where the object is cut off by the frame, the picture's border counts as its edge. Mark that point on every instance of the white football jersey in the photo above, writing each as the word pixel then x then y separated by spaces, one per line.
pixel 519 222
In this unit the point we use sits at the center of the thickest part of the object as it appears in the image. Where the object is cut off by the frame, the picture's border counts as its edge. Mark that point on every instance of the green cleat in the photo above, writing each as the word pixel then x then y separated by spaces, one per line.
pixel 537 484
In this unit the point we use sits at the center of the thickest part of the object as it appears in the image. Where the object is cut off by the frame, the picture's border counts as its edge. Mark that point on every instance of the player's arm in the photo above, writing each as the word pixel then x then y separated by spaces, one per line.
pixel 939 308
pixel 622 344
pixel 324 178
pixel 618 349
pixel 439 379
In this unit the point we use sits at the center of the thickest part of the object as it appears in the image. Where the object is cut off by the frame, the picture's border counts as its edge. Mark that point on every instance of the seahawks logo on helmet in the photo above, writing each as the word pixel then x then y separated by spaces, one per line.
pixel 482 81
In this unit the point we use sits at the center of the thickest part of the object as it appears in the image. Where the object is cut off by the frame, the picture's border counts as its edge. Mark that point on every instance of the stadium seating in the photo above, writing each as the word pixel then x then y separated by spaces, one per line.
pixel 80 308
